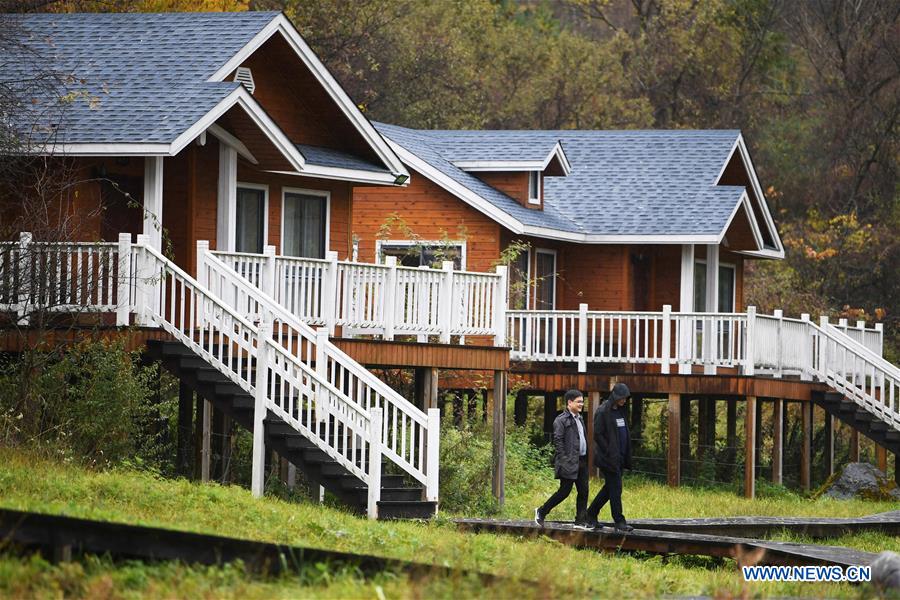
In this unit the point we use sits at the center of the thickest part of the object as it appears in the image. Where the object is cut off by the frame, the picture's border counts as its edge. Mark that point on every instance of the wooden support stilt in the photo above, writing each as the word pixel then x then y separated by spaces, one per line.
pixel 702 427
pixel 498 462
pixel 198 436
pixel 805 445
pixel 854 445
pixel 777 441
pixel 206 441
pixel 549 413
pixel 521 408
pixel 457 407
pixel 757 450
pixel 673 458
pixel 881 458
pixel 731 435
pixel 592 403
pixel 751 432
pixel 217 445
pixel 637 422
pixel 829 444
pixel 185 422
pixel 685 432
pixel 419 383
pixel 897 468
pixel 486 405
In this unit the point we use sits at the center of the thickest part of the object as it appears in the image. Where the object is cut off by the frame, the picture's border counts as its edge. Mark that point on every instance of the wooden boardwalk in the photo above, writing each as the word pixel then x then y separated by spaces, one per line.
pixel 657 541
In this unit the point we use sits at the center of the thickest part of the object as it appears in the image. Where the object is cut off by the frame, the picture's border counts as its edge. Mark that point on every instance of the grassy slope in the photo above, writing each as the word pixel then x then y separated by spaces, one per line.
pixel 28 483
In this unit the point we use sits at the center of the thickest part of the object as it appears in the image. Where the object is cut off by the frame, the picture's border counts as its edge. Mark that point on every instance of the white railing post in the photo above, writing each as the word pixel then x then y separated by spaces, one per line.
pixel 806 367
pixel 322 373
pixel 374 462
pixel 390 292
pixel 500 300
pixel 267 278
pixel 123 283
pixel 779 341
pixel 258 469
pixel 202 273
pixel 824 361
pixel 582 337
pixel 421 295
pixel 143 287
pixel 445 320
pixel 24 289
pixel 750 342
pixel 329 302
pixel 433 453
pixel 666 339
pixel 879 332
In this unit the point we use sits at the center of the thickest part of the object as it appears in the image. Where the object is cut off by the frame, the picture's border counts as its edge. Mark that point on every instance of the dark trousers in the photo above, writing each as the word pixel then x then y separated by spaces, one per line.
pixel 565 488
pixel 611 492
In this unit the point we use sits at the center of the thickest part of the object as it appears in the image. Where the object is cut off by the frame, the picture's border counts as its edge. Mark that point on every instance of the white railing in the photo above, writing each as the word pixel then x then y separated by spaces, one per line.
pixel 410 437
pixel 62 277
pixel 385 300
pixel 871 338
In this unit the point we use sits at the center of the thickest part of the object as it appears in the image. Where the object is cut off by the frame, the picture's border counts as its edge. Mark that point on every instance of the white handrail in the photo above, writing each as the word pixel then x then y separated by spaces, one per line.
pixel 406 432
pixel 281 383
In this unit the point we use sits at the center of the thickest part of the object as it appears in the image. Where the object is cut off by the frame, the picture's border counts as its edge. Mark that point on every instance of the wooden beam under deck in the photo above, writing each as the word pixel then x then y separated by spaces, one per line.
pixel 381 353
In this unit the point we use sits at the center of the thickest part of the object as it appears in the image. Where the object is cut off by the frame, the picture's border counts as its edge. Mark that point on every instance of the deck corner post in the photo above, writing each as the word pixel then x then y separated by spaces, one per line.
pixel 806 420
pixel 500 300
pixel 447 298
pixel 202 275
pixel 390 293
pixel 374 490
pixel 750 447
pixel 673 458
pixel 582 337
pixel 433 453
pixel 329 301
pixel 879 331
pixel 779 341
pixel 806 367
pixel 123 283
pixel 267 278
pixel 778 441
pixel 666 350
pixel 750 350
pixel 143 286
pixel 258 470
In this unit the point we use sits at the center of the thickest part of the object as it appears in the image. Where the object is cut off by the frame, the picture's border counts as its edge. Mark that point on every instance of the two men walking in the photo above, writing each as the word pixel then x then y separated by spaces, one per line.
pixel 612 454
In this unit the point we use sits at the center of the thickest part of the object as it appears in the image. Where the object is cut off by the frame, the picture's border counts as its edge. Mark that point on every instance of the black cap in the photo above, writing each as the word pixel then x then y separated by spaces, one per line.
pixel 619 391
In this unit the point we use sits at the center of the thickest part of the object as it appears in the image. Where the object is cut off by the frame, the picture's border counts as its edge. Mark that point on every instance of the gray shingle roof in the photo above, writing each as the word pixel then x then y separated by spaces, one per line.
pixel 636 183
pixel 135 77
pixel 327 157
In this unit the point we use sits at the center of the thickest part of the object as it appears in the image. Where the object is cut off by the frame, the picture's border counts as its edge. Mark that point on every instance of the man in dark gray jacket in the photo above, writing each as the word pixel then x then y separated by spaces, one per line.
pixel 612 454
pixel 570 461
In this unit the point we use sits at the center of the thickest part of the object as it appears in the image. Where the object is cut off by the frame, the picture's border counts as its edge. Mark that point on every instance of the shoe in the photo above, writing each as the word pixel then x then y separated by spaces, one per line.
pixel 586 525
pixel 538 517
pixel 624 527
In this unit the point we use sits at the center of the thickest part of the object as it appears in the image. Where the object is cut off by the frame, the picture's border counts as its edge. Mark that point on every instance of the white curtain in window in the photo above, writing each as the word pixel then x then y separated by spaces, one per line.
pixel 304 225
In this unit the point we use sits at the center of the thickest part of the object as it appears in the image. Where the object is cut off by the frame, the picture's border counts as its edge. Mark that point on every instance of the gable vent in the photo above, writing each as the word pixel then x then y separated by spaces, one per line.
pixel 244 76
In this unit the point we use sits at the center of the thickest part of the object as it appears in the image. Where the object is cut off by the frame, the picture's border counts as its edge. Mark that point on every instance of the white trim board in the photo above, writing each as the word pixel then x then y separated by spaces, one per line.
pixel 517 165
pixel 341 174
pixel 306 192
pixel 281 24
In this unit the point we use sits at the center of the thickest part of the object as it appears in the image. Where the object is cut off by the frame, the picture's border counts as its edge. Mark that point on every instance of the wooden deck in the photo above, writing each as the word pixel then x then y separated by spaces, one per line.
pixel 680 542
pixel 380 353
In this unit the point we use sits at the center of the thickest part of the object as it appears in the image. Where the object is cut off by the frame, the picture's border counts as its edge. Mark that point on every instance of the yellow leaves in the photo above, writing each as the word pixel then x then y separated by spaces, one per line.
pixel 813 255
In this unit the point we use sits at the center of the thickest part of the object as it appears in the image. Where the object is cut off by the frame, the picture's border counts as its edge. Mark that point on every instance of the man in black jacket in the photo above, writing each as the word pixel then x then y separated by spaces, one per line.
pixel 612 454
pixel 570 461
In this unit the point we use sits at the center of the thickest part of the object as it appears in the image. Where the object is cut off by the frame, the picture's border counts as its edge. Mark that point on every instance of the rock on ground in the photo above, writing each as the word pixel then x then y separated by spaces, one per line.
pixel 862 480
pixel 886 570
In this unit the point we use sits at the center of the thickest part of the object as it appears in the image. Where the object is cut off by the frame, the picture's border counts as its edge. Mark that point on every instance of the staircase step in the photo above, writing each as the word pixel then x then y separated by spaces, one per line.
pixel 390 509
pixel 191 363
pixel 170 348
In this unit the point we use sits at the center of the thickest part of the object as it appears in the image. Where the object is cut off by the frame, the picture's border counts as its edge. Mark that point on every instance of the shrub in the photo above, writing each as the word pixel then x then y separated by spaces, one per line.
pixel 92 403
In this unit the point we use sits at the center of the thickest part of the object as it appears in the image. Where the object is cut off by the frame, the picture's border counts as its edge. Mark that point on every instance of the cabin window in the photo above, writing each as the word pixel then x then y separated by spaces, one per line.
pixel 304 224
pixel 519 285
pixel 727 275
pixel 417 253
pixel 251 213
pixel 545 280
pixel 534 187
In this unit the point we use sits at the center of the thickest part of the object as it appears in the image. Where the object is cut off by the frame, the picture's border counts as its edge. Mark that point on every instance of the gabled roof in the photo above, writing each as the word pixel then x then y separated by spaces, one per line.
pixel 142 83
pixel 624 186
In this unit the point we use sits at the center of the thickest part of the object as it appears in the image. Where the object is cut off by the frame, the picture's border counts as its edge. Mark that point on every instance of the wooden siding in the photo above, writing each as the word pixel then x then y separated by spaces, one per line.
pixel 298 103
pixel 513 184
pixel 429 212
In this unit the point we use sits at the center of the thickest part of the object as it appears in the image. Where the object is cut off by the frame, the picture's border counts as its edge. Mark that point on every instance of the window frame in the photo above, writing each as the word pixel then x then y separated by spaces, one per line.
pixel 307 192
pixel 537 176
pixel 727 265
pixel 265 190
pixel 553 253
pixel 379 244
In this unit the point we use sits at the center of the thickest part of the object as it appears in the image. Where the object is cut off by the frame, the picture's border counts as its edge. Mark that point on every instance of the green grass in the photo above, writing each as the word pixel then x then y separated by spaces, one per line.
pixel 549 568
